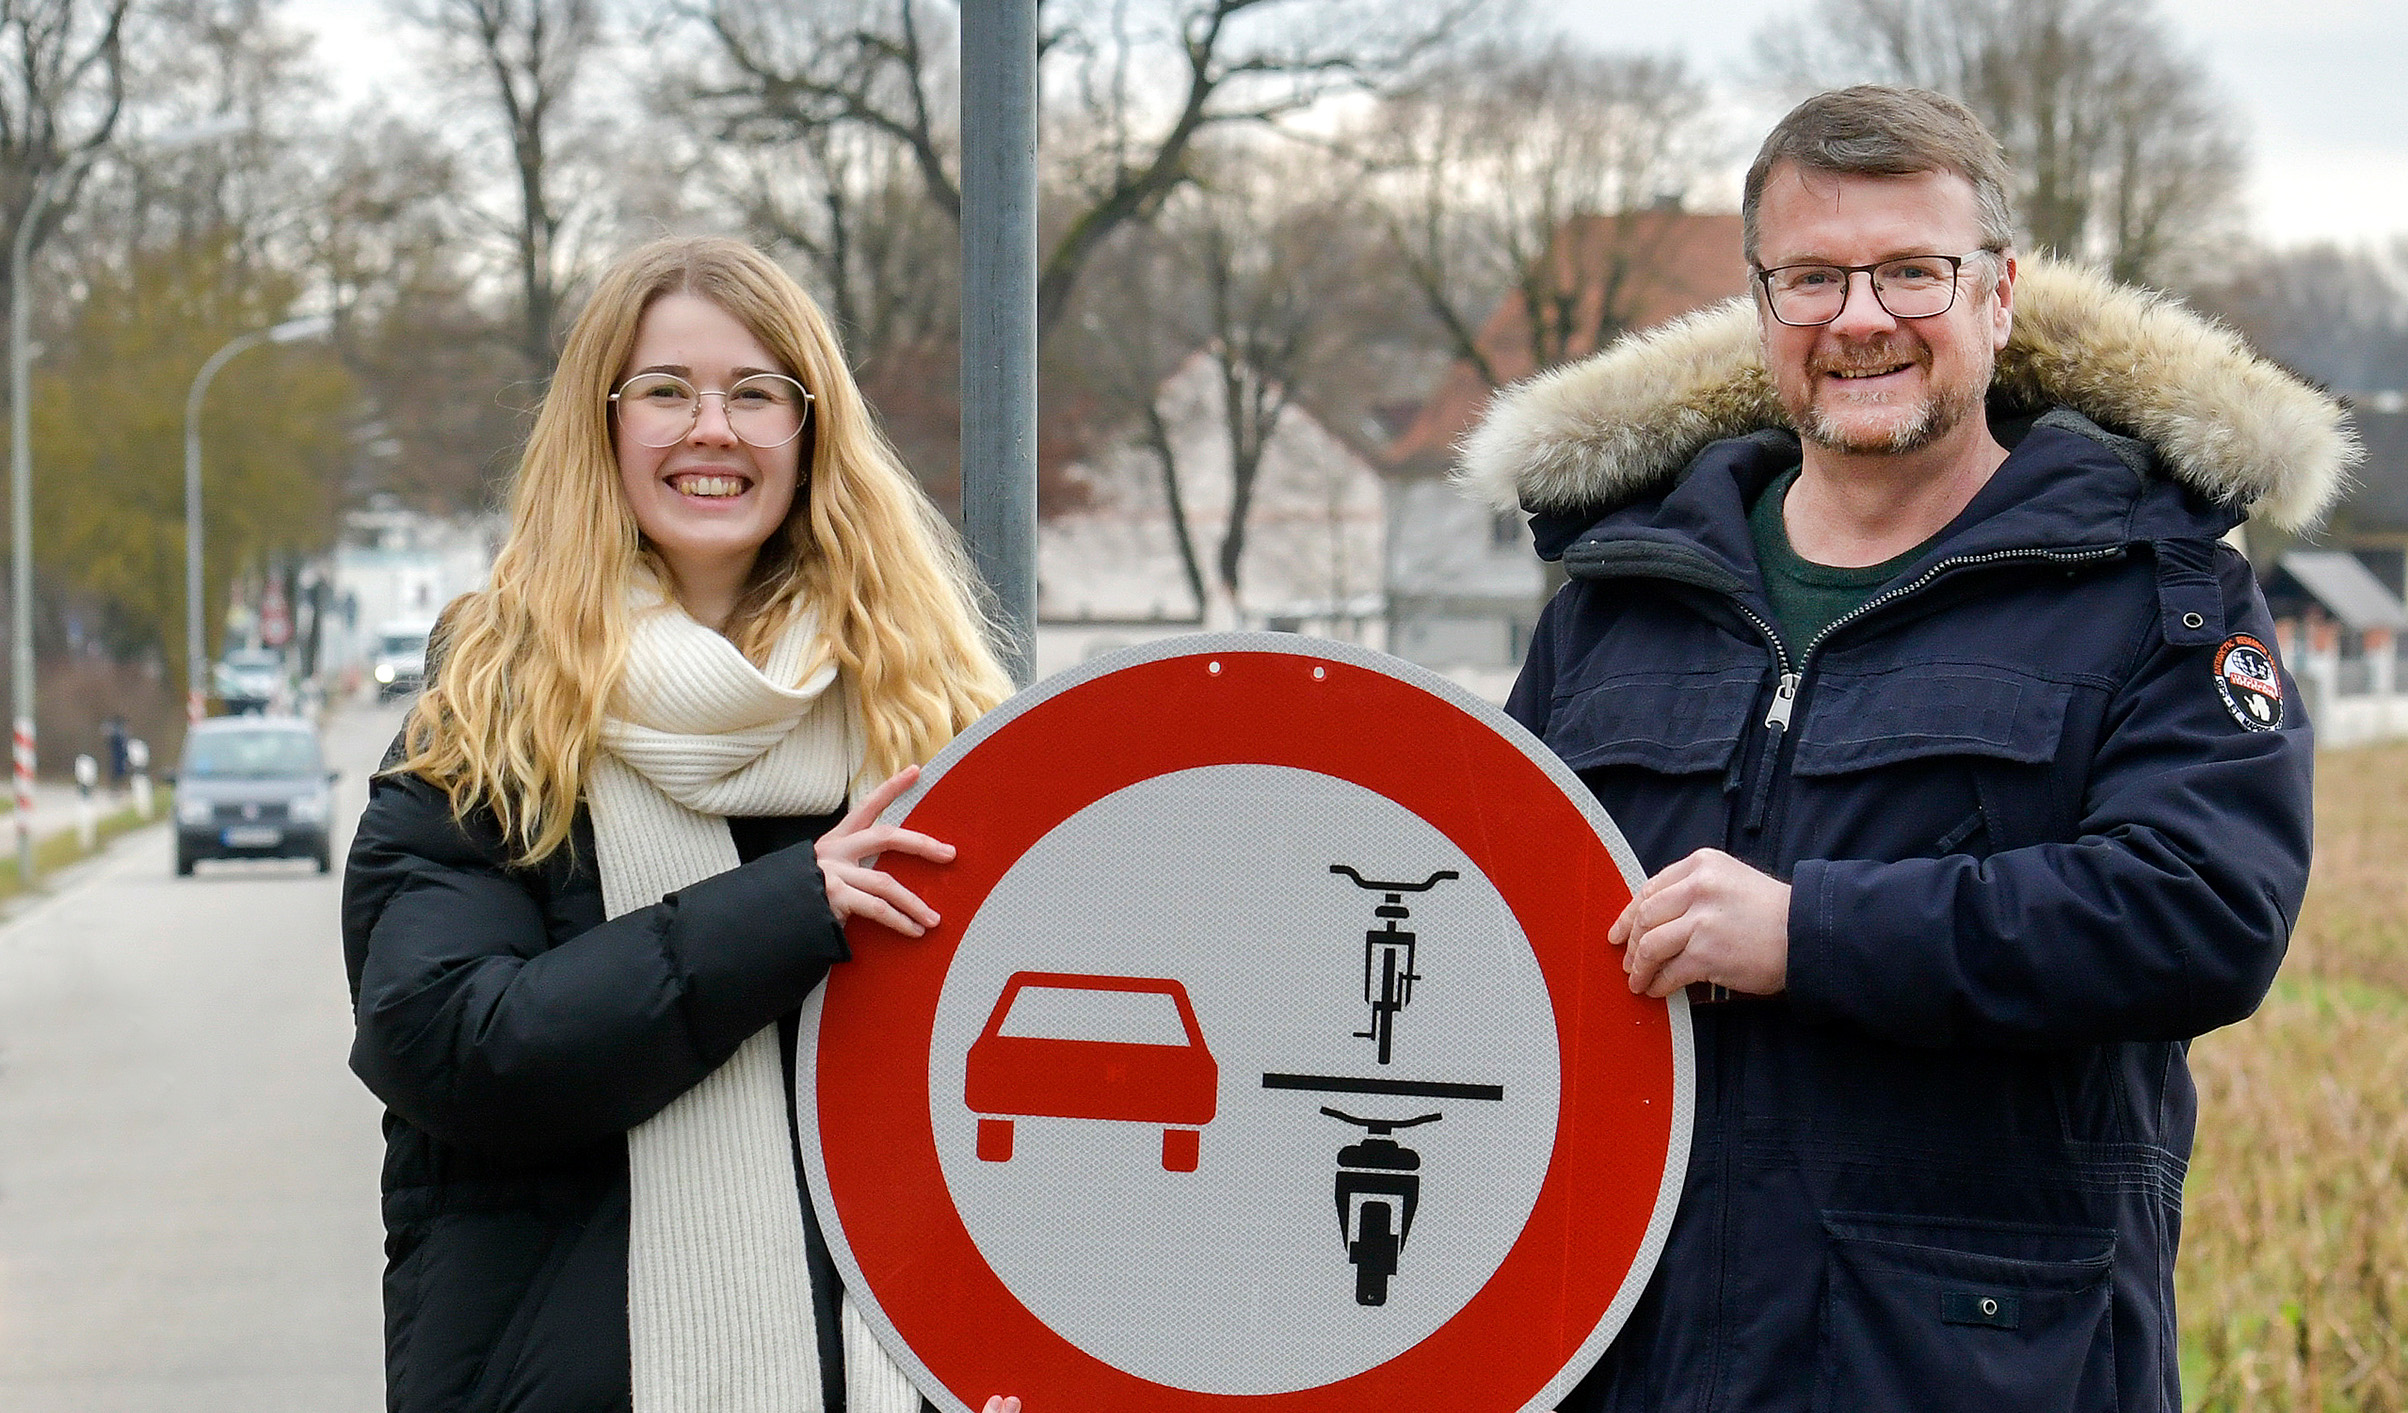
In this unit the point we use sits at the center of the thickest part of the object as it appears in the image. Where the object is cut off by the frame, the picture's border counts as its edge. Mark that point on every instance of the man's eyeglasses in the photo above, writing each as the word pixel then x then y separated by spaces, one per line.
pixel 765 410
pixel 1909 287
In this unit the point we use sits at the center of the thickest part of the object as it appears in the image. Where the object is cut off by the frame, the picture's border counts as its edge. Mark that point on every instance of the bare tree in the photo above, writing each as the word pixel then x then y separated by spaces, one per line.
pixel 2338 315
pixel 1139 87
pixel 62 91
pixel 1531 173
pixel 1243 291
pixel 2125 152
pixel 175 252
pixel 884 260
pixel 249 191
pixel 1134 336
pixel 523 61
pixel 434 360
pixel 1261 318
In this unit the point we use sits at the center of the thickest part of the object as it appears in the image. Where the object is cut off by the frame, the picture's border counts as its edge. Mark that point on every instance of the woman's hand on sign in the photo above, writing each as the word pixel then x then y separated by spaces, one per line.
pixel 857 887
pixel 1001 1404
pixel 1707 918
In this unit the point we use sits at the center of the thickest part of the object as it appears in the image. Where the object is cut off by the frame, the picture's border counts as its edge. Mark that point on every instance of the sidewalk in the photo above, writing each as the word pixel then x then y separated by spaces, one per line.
pixel 54 809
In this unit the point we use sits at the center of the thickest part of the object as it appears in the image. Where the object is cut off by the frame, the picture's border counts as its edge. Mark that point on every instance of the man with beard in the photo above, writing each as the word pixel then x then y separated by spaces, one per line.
pixel 1901 639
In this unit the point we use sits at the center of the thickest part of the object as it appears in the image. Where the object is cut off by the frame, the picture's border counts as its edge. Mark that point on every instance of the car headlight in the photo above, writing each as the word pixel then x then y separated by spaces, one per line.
pixel 384 672
pixel 309 809
pixel 195 811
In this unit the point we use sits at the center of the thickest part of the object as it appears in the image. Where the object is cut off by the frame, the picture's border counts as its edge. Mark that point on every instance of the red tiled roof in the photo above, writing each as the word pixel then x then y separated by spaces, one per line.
pixel 1668 263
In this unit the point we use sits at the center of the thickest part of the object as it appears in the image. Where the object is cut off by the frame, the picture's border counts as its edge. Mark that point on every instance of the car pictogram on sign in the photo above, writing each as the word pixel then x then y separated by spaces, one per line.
pixel 1167 1077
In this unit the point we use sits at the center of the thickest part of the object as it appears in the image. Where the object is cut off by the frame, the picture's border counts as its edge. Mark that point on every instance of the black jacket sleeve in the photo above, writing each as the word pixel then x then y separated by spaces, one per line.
pixel 478 1025
pixel 2165 918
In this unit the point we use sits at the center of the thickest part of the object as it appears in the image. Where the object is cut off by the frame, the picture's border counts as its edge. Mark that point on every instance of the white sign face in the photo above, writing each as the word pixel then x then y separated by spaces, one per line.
pixel 1269 1048
pixel 1235 1277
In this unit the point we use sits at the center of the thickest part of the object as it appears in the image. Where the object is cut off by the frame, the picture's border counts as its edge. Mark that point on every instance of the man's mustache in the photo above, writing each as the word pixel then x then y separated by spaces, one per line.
pixel 1864 358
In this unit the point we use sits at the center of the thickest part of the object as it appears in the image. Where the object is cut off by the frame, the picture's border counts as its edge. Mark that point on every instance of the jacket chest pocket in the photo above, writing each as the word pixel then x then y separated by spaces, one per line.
pixel 1669 723
pixel 1930 759
pixel 1971 1316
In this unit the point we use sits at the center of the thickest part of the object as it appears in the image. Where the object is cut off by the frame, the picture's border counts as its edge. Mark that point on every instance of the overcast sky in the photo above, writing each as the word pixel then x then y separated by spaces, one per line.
pixel 2321 86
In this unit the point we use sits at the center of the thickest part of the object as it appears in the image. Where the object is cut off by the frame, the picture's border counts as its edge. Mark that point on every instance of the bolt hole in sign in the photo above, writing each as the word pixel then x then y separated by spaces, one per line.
pixel 1270 1048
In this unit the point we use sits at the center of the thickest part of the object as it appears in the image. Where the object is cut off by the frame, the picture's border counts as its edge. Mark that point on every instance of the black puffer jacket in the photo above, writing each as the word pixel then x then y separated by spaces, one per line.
pixel 515 1036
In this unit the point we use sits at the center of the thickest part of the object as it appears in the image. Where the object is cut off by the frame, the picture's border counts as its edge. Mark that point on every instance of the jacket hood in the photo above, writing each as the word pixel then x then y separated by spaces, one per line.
pixel 2224 421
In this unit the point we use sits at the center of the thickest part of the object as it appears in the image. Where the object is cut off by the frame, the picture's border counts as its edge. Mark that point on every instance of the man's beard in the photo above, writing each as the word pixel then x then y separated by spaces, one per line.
pixel 1943 409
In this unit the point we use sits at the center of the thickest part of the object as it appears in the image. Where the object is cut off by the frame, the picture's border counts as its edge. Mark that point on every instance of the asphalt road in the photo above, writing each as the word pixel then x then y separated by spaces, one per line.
pixel 187 1168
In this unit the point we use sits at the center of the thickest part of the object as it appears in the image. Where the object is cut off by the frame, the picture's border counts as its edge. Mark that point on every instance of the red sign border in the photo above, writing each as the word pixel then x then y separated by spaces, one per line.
pixel 890 1172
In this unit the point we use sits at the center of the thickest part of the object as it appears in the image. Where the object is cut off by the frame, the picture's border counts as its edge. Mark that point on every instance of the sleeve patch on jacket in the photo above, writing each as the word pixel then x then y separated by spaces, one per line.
pixel 2249 684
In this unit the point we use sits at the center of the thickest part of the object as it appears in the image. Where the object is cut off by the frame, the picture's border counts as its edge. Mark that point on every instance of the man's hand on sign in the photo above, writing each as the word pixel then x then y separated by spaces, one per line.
pixel 1001 1404
pixel 1707 918
pixel 848 864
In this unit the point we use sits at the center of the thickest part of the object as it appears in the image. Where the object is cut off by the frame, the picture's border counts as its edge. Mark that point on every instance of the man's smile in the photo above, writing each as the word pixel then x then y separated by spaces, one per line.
pixel 1867 364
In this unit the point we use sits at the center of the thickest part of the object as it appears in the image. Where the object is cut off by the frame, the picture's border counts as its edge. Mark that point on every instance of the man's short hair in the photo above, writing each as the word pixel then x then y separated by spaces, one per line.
pixel 1877 131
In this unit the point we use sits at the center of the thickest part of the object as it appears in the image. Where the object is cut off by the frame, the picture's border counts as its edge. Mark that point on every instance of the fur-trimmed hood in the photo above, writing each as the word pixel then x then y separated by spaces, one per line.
pixel 2224 421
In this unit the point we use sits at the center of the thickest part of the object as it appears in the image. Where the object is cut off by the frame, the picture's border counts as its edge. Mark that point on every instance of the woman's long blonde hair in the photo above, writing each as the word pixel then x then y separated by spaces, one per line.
pixel 512 716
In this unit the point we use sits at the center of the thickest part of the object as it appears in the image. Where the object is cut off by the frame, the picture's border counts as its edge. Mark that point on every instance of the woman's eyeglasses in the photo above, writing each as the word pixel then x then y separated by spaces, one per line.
pixel 764 410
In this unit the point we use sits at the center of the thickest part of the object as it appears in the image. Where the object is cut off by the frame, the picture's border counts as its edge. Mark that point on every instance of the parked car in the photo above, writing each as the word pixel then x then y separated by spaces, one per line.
pixel 252 787
pixel 250 680
pixel 400 659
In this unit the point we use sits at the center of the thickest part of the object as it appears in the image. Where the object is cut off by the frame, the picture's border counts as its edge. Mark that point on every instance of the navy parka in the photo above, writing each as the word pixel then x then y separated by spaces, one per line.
pixel 2032 852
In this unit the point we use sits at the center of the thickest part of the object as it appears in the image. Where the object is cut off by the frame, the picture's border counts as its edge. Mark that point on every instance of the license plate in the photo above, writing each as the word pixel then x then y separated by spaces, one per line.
pixel 255 837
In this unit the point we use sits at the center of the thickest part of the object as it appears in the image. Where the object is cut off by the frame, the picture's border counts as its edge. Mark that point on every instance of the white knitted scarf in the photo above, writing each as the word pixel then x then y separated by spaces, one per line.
pixel 719 1315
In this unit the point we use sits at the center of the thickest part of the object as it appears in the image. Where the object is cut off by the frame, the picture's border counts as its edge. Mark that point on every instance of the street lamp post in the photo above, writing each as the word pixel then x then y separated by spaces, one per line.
pixel 196 699
pixel 20 462
pixel 20 497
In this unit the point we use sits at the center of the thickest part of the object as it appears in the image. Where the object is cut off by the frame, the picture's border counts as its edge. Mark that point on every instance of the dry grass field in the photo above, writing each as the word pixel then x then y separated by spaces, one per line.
pixel 2294 1271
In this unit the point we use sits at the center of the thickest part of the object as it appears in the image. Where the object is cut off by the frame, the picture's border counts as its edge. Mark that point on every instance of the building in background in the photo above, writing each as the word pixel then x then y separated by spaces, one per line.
pixel 2340 630
pixel 1464 588
pixel 1366 543
pixel 2340 624
pixel 392 574
pixel 2371 521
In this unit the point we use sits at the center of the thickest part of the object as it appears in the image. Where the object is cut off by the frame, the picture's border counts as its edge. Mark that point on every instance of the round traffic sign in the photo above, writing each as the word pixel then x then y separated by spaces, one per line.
pixel 1270 1047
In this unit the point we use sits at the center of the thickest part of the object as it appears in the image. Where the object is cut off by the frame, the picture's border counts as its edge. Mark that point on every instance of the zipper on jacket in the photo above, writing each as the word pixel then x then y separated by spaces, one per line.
pixel 1776 722
pixel 1778 715
pixel 1776 719
pixel 1785 701
pixel 1945 566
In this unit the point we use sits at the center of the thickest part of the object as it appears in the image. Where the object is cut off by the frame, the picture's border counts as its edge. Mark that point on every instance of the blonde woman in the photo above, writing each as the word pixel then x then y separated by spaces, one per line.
pixel 626 823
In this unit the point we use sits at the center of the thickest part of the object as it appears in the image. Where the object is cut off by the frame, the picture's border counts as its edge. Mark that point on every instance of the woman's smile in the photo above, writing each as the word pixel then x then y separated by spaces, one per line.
pixel 705 485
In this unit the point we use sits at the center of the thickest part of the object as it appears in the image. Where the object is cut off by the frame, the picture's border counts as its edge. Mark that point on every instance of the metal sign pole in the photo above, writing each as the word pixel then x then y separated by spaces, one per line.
pixel 999 311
